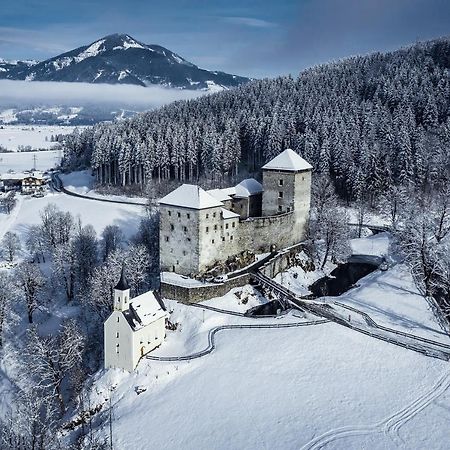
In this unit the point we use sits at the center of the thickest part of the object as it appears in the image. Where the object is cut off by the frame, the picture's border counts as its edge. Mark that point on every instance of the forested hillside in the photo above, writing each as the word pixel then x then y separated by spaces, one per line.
pixel 367 121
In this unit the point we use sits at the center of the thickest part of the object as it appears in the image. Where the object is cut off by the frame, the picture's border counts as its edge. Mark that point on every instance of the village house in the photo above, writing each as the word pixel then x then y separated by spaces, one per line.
pixel 199 228
pixel 135 327
pixel 24 182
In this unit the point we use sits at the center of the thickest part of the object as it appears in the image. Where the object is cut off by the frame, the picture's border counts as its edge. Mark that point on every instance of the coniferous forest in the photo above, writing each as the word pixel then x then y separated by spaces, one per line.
pixel 368 122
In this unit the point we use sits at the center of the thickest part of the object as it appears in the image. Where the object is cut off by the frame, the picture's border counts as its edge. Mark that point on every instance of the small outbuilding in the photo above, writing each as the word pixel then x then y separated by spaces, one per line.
pixel 134 328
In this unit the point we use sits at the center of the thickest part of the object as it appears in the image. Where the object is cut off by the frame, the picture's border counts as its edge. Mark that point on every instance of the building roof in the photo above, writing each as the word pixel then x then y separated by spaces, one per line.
pixel 17 176
pixel 122 285
pixel 227 214
pixel 289 161
pixel 144 310
pixel 219 194
pixel 190 196
pixel 248 187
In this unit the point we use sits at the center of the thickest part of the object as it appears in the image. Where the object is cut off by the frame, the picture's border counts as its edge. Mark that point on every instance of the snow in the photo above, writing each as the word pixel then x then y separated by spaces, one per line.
pixel 11 136
pixel 190 196
pixel 280 388
pixel 20 161
pixel 98 214
pixel 219 194
pixel 227 214
pixel 288 160
pixel 123 74
pixel 248 187
pixel 376 245
pixel 92 50
pixel 182 280
pixel 238 299
pixel 147 308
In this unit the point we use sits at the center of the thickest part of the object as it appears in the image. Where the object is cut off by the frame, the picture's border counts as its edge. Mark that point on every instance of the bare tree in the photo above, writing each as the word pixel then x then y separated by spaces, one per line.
pixel 64 268
pixel 393 203
pixel 35 242
pixel 8 201
pixel 331 230
pixel 11 245
pixel 30 281
pixel 441 207
pixel 52 359
pixel 57 225
pixel 112 239
pixel 6 294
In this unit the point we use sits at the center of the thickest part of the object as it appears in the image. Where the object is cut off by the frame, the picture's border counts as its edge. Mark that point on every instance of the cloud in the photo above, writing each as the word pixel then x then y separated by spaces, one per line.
pixel 250 22
pixel 14 93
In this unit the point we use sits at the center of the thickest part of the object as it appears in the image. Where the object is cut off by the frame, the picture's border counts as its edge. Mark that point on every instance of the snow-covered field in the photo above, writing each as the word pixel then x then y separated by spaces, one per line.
pixel 20 161
pixel 37 136
pixel 298 388
pixel 98 214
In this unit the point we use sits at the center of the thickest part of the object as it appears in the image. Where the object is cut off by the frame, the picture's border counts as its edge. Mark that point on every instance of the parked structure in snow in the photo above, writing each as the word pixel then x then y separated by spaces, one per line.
pixel 199 228
pixel 135 327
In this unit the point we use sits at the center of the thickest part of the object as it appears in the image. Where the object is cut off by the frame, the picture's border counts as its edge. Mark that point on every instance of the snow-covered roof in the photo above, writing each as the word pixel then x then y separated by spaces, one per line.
pixel 144 309
pixel 248 187
pixel 21 175
pixel 190 196
pixel 288 160
pixel 227 214
pixel 219 194
pixel 229 190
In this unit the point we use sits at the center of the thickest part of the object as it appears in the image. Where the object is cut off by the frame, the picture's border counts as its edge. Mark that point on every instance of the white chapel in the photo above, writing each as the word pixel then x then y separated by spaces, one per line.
pixel 135 327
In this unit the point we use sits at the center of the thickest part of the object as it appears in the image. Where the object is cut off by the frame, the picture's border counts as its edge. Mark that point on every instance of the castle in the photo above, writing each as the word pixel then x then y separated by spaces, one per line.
pixel 199 228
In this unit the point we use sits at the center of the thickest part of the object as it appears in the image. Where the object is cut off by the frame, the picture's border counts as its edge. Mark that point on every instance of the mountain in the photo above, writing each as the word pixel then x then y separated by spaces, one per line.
pixel 120 59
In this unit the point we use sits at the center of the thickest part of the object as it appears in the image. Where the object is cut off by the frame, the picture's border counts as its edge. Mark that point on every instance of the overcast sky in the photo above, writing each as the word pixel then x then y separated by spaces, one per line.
pixel 249 37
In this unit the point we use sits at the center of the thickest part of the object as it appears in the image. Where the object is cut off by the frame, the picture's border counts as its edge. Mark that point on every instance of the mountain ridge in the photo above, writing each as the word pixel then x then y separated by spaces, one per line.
pixel 121 59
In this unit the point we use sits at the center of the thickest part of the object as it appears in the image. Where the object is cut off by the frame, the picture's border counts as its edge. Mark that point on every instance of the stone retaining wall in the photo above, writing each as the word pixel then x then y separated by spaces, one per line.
pixel 201 293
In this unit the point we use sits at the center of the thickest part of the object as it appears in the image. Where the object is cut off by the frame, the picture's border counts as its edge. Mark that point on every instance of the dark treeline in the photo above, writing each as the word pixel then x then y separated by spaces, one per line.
pixel 369 122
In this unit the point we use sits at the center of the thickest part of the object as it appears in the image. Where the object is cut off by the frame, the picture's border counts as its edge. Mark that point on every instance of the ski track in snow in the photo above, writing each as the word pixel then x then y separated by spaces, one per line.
pixel 391 425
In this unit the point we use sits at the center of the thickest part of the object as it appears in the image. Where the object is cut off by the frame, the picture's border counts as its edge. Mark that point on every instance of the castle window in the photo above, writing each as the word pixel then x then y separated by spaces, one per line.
pixel 288 209
pixel 207 229
pixel 207 215
pixel 184 253
pixel 118 319
pixel 166 238
pixel 215 227
pixel 117 348
pixel 188 215
pixel 231 238
pixel 303 178
pixel 169 212
pixel 280 182
pixel 125 299
pixel 214 215
pixel 212 241
pixel 233 224
pixel 179 214
pixel 172 227
pixel 280 194
pixel 185 229
pixel 280 208
pixel 226 226
pixel 223 238
pixel 188 239
pixel 117 334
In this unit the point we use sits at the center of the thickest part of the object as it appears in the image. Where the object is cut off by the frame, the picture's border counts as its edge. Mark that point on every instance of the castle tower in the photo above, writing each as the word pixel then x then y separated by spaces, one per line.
pixel 122 293
pixel 287 188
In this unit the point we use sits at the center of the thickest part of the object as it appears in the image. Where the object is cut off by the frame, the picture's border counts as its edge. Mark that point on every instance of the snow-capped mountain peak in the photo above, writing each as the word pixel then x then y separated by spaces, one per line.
pixel 121 59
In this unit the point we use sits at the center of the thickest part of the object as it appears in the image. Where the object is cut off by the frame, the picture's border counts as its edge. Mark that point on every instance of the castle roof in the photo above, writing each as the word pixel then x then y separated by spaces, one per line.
pixel 219 194
pixel 227 214
pixel 122 285
pixel 190 196
pixel 248 187
pixel 289 161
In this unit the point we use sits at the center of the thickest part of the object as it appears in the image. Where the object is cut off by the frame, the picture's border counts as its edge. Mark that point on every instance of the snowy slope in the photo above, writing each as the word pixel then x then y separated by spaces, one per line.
pixel 284 389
